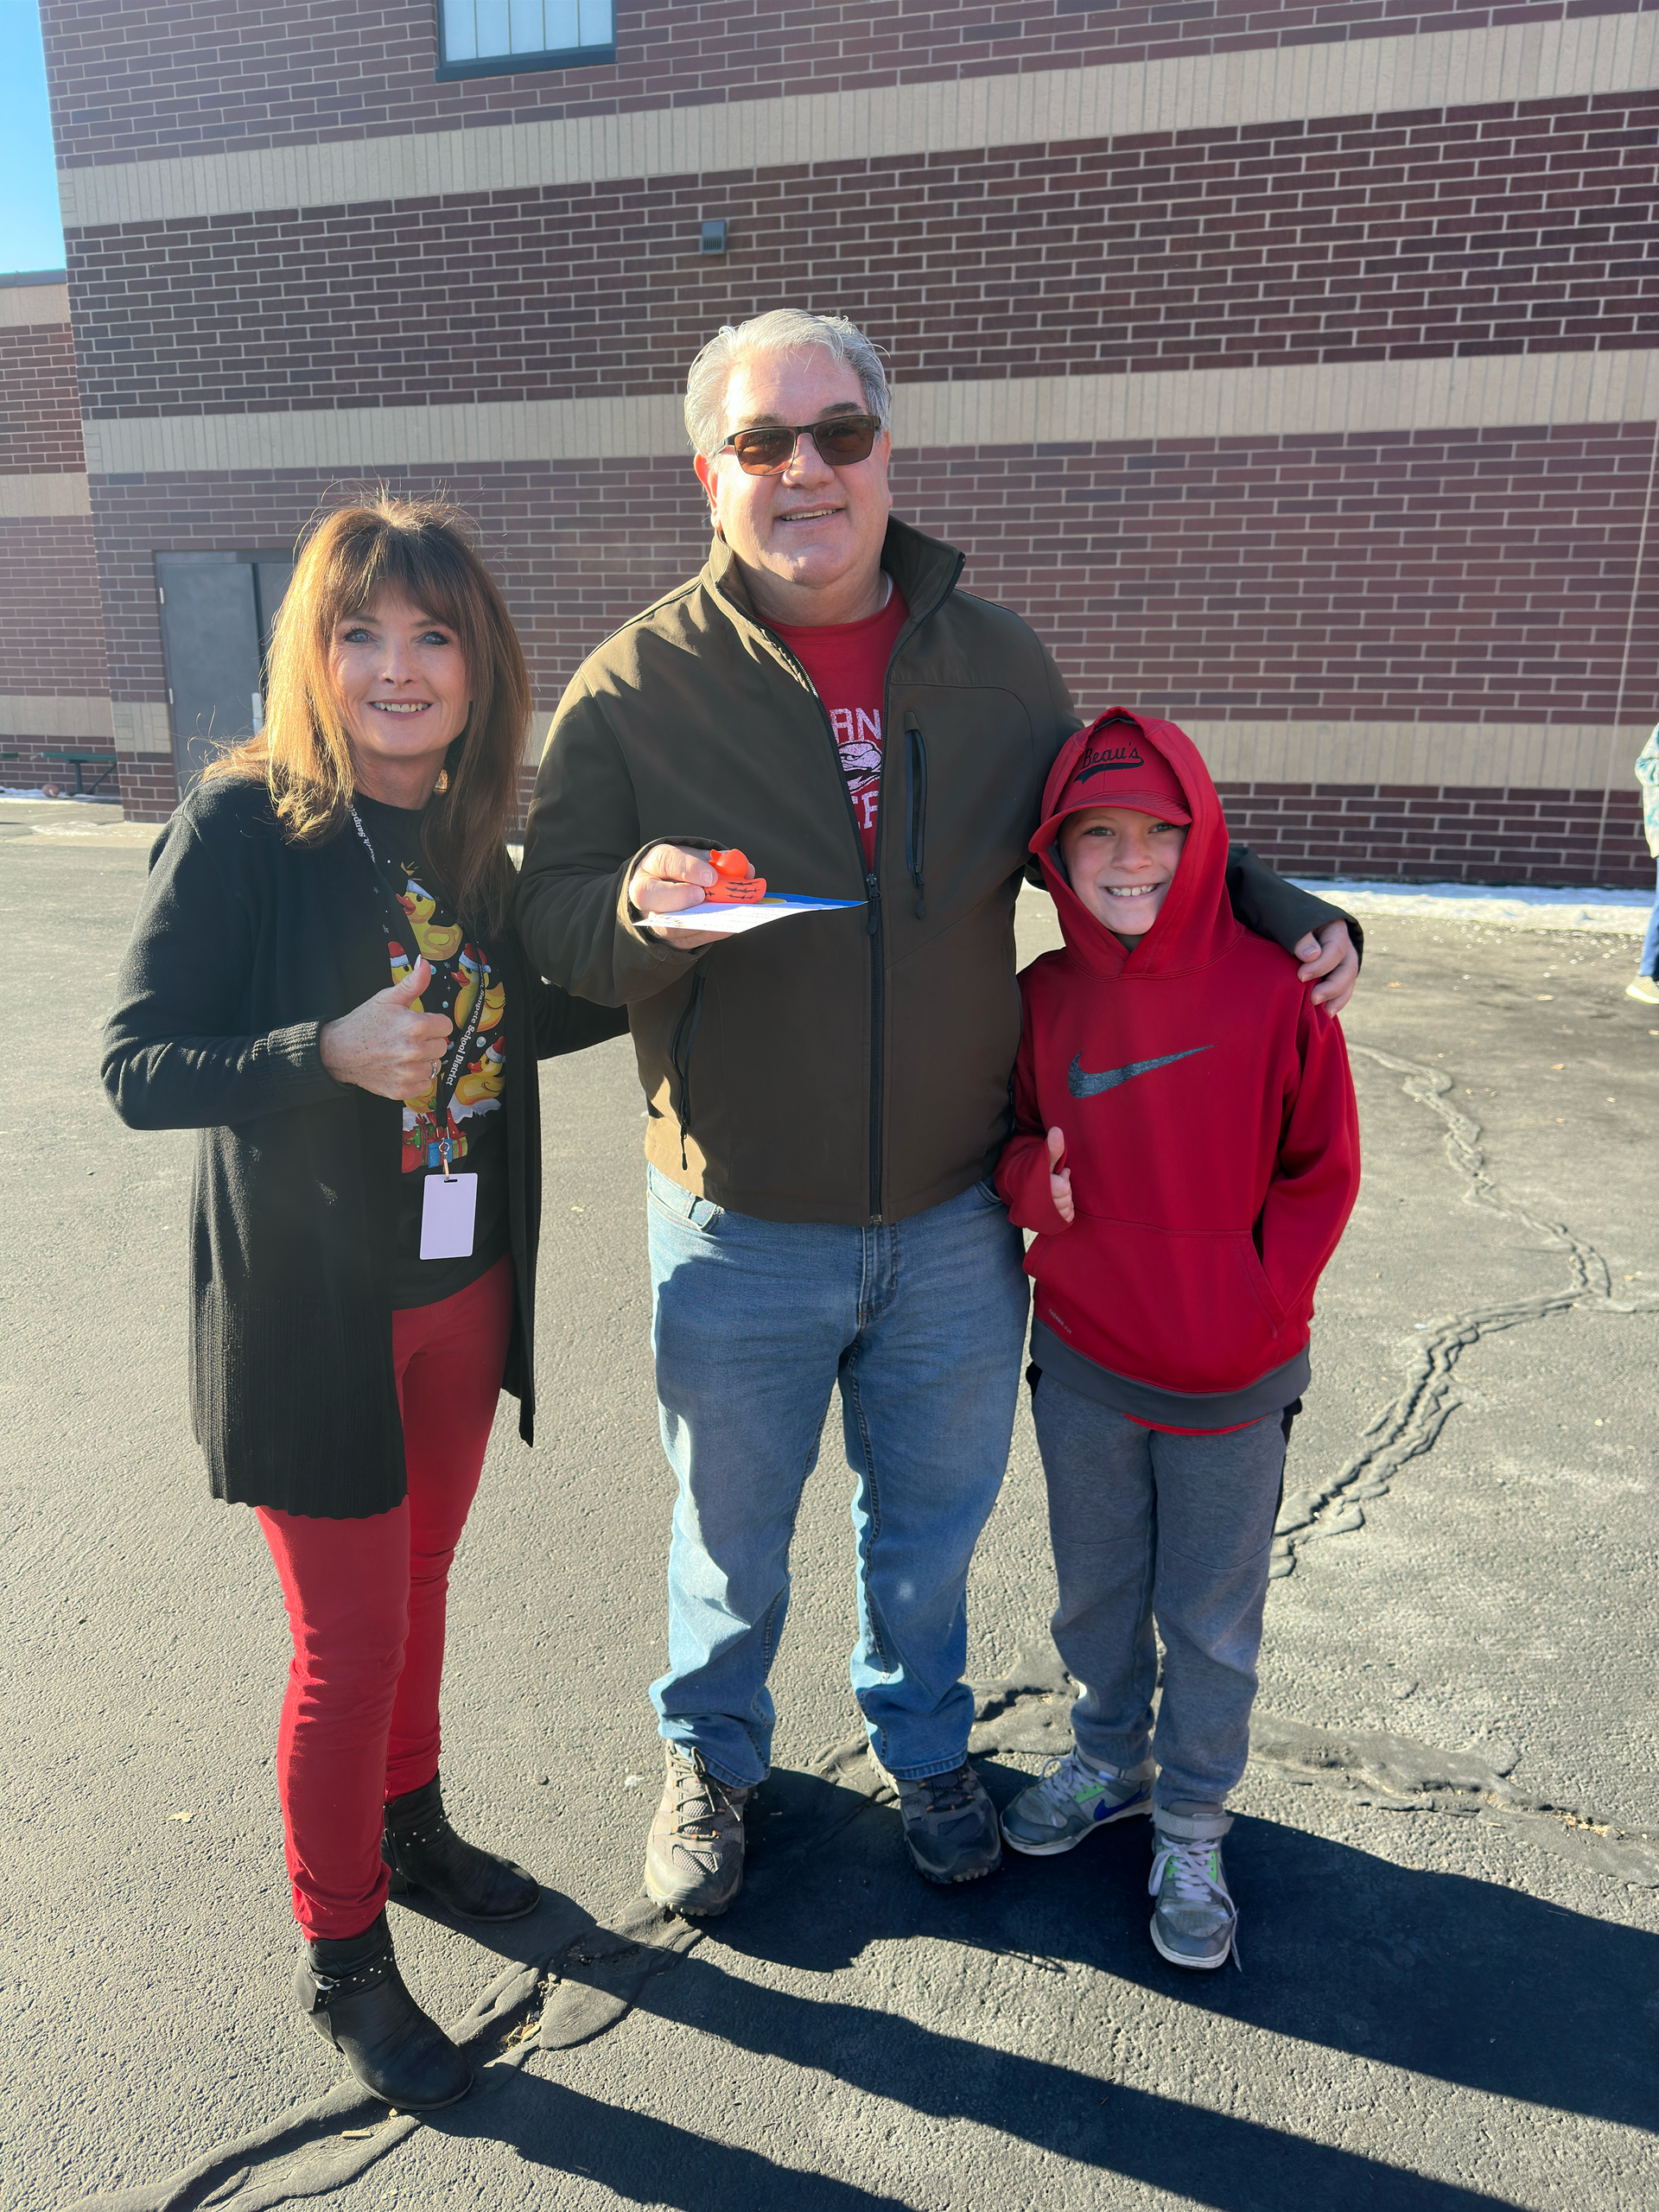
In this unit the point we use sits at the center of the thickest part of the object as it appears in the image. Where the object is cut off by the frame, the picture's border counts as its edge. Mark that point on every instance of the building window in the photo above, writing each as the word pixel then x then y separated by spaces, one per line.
pixel 496 38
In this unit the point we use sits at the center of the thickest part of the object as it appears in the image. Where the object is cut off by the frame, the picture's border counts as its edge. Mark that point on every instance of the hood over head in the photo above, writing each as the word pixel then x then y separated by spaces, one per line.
pixel 1127 759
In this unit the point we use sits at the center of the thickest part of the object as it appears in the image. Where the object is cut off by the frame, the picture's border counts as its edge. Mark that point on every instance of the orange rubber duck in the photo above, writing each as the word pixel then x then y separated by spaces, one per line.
pixel 737 887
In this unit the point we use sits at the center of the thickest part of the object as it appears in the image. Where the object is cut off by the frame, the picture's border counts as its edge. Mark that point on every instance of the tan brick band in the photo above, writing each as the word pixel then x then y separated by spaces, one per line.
pixel 142 726
pixel 63 493
pixel 1199 92
pixel 1462 233
pixel 1424 756
pixel 1471 394
pixel 1567 757
pixel 21 306
pixel 53 715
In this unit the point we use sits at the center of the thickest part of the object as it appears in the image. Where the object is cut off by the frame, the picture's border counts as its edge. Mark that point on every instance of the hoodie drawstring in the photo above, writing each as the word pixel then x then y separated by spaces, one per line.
pixel 916 831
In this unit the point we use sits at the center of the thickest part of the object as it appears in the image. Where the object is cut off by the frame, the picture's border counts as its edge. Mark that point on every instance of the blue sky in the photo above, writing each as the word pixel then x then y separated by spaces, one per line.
pixel 31 236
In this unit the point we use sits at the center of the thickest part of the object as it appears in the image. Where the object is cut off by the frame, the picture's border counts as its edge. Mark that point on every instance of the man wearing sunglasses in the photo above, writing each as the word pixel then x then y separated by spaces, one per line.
pixel 827 1100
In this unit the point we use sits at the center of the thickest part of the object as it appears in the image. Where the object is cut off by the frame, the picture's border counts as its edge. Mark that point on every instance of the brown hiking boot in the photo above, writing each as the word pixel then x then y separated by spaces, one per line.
pixel 694 1862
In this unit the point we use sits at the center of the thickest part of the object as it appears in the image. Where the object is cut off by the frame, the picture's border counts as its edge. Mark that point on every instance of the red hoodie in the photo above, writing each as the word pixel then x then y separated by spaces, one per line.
pixel 1209 1128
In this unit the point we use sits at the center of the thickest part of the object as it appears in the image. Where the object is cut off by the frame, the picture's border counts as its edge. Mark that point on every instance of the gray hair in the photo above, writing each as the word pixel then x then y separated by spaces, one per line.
pixel 785 330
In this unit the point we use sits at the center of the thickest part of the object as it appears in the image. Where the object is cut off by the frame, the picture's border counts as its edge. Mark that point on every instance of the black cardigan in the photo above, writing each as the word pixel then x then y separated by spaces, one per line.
pixel 245 946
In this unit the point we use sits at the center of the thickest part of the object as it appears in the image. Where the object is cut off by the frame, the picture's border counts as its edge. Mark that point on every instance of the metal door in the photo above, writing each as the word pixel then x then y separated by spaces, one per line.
pixel 217 611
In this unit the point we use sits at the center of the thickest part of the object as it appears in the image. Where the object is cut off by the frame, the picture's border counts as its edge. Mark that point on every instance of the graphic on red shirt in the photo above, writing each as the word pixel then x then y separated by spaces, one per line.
pixel 847 664
pixel 858 739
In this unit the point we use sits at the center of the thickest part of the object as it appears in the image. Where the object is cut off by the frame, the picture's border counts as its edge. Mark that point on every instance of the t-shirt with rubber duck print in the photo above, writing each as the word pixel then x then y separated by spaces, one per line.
pixel 476 1122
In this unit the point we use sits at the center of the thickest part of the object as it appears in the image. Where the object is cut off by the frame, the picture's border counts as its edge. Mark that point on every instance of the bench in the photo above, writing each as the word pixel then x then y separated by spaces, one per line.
pixel 78 761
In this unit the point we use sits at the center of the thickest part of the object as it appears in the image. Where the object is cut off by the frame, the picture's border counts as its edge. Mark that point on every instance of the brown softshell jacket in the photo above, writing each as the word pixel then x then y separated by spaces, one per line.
pixel 845 1067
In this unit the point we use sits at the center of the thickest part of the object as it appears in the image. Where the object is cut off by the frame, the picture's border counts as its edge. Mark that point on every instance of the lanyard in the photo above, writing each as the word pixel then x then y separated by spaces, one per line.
pixel 453 1065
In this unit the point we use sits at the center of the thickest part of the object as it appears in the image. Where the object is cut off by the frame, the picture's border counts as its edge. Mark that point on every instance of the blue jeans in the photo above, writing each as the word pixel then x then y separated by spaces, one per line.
pixel 1650 944
pixel 922 1323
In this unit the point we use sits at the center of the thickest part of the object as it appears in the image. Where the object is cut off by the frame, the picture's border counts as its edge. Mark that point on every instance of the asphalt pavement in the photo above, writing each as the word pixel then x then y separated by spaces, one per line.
pixel 1447 1856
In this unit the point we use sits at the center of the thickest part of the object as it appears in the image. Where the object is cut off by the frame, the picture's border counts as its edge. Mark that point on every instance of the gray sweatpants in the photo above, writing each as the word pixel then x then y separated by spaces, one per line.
pixel 1178 1529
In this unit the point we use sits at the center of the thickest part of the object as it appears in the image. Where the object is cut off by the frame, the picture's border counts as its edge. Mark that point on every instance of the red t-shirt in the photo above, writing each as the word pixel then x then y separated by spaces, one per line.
pixel 847 664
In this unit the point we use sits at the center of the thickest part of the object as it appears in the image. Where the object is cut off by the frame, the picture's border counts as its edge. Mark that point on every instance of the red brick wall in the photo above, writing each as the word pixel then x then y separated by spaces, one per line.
pixel 1438 577
pixel 51 622
pixel 133 79
pixel 1472 577
pixel 1404 832
pixel 1472 231
pixel 150 790
pixel 40 402
pixel 1417 832
pixel 576 547
pixel 51 615
pixel 1484 576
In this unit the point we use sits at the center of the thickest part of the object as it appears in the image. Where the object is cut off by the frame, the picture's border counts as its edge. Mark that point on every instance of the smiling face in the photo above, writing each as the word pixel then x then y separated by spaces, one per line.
pixel 1121 864
pixel 403 688
pixel 809 541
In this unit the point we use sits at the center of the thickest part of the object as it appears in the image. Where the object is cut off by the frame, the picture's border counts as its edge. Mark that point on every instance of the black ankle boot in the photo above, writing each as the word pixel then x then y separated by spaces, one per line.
pixel 354 1997
pixel 425 1852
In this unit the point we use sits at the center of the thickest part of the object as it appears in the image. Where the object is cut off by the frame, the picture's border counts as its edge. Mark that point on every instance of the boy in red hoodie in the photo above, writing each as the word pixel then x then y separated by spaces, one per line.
pixel 1187 1150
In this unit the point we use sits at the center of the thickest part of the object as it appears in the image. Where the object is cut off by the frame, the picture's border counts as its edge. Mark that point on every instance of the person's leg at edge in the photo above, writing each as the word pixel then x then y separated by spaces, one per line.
pixel 449 1359
pixel 749 1320
pixel 1649 965
pixel 1217 1501
pixel 929 1386
pixel 1102 1521
pixel 346 1587
pixel 365 1605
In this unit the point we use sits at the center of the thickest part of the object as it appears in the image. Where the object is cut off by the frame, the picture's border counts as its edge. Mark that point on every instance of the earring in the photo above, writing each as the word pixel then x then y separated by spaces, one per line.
pixel 443 783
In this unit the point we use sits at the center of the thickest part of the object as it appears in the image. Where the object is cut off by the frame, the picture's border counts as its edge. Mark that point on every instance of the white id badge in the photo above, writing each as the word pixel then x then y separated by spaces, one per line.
pixel 446 1212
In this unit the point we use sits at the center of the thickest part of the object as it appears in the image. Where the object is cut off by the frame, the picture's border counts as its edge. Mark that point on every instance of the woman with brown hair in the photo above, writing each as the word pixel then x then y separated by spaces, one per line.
pixel 323 982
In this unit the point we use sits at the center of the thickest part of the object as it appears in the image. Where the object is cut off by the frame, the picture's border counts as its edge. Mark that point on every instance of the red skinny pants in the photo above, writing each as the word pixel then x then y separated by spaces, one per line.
pixel 365 1605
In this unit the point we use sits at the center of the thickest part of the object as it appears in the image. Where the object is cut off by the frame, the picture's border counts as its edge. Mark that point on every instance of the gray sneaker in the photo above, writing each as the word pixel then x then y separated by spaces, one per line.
pixel 1069 1800
pixel 1195 1922
pixel 950 1823
pixel 694 1862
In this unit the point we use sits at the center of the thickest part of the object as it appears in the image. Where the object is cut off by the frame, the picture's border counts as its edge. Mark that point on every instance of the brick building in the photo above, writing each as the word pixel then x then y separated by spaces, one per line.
pixel 1292 368
pixel 54 685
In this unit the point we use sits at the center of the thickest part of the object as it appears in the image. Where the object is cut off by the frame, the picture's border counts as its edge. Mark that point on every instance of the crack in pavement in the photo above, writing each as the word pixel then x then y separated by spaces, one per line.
pixel 1028 1712
pixel 589 1979
pixel 1411 1423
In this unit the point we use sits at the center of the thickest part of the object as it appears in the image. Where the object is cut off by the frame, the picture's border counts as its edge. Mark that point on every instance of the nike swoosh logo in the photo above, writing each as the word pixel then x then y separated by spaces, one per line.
pixel 1083 1083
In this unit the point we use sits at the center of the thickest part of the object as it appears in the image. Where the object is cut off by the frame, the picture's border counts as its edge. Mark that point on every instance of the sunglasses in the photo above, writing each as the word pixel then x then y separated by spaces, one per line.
pixel 841 440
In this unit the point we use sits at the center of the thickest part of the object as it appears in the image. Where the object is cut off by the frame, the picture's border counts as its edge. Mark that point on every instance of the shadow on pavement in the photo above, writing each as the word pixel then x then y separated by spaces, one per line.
pixel 1459 1980
pixel 1456 1979
pixel 1203 2157
pixel 645 2160
pixel 1440 1974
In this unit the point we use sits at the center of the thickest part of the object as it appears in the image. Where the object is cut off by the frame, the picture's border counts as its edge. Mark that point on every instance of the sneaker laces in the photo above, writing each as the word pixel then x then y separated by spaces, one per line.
pixel 1184 1868
pixel 955 1792
pixel 1062 1778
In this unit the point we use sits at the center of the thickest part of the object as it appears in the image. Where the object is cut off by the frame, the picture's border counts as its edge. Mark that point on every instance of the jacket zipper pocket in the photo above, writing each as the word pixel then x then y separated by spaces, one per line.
pixel 916 830
pixel 679 1055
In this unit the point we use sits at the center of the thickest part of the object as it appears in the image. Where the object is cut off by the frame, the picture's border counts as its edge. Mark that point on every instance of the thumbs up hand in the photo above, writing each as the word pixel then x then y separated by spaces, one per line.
pixel 1060 1179
pixel 385 1046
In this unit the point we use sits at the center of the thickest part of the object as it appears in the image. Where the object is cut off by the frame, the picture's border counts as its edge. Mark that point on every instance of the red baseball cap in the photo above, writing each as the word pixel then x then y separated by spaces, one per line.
pixel 1118 766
